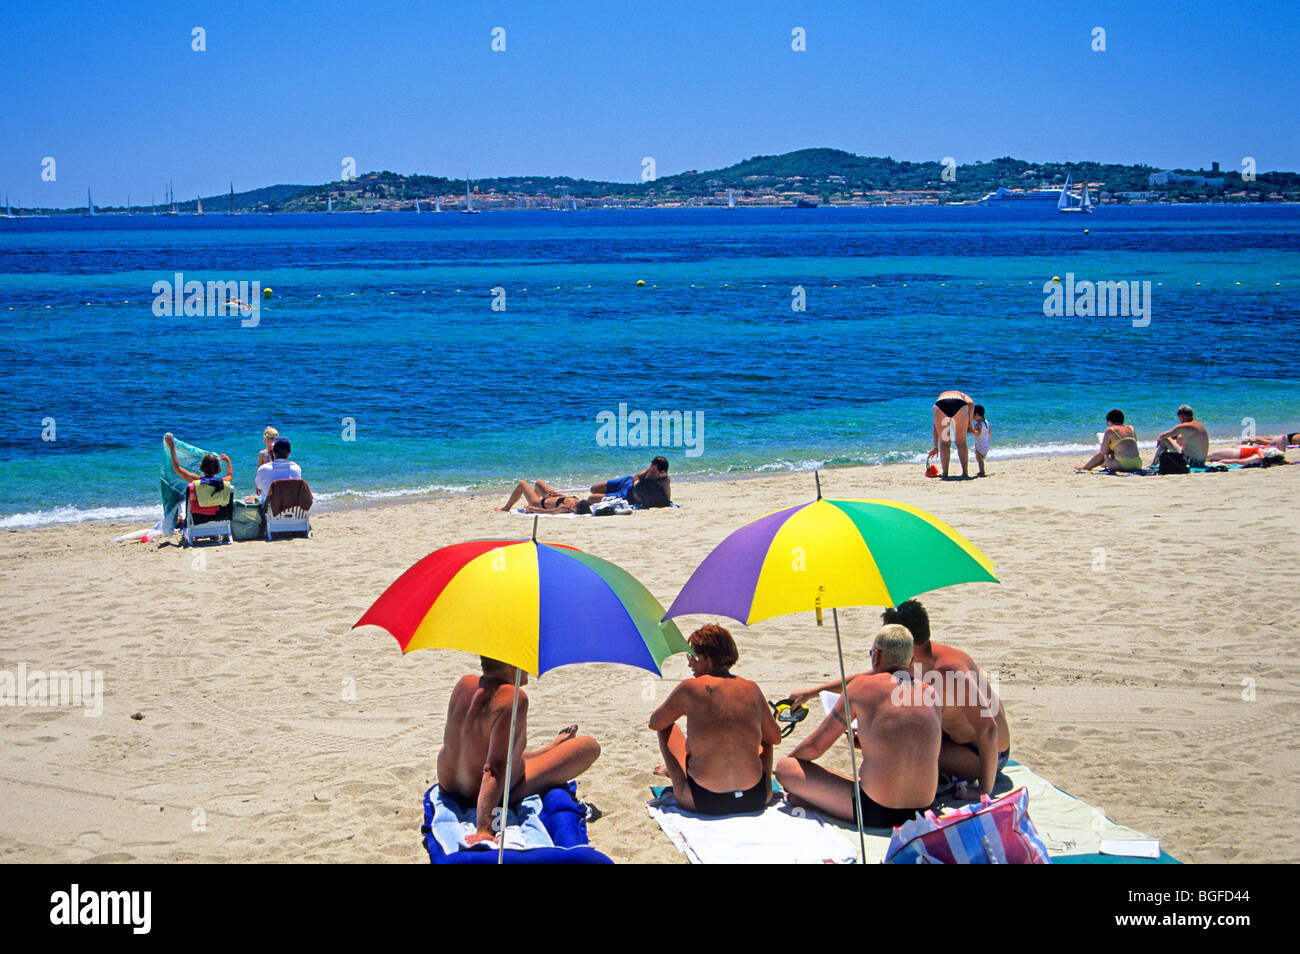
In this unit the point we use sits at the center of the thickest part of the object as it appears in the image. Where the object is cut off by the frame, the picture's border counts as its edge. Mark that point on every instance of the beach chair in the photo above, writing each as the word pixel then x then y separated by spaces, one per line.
pixel 287 504
pixel 209 519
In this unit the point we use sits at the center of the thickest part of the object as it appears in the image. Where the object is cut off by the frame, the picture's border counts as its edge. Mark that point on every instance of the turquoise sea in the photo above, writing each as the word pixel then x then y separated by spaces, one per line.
pixel 381 356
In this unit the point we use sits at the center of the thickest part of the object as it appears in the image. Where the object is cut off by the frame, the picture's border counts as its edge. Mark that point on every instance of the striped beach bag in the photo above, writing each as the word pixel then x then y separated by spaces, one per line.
pixel 996 832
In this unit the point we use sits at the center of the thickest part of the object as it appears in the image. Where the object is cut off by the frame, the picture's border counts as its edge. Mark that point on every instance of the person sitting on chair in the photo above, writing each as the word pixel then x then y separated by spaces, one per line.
pixel 208 491
pixel 280 468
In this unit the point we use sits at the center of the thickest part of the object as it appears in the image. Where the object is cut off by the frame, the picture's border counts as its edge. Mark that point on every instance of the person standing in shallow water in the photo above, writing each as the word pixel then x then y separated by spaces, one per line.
pixel 951 419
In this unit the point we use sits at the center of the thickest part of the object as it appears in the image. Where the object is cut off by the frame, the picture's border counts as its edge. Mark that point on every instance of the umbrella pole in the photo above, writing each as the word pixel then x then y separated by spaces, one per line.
pixel 848 725
pixel 505 797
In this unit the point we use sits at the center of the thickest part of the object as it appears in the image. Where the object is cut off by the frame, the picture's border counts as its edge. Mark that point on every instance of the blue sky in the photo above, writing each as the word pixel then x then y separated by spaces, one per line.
pixel 115 94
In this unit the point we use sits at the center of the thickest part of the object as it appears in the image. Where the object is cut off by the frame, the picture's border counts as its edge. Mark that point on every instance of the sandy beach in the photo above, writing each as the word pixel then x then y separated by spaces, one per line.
pixel 1141 638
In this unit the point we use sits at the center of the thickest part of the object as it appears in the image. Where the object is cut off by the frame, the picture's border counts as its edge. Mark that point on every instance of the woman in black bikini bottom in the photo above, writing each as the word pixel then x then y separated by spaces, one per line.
pixel 542 498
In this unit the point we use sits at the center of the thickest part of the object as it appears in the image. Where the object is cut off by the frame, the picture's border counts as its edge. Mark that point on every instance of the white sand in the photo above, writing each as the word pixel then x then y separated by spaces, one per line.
pixel 1123 682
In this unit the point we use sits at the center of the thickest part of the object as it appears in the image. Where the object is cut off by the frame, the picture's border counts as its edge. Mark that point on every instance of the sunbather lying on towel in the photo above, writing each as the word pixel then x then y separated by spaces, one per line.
pixel 900 727
pixel 724 765
pixel 472 760
pixel 650 488
pixel 1247 454
pixel 543 498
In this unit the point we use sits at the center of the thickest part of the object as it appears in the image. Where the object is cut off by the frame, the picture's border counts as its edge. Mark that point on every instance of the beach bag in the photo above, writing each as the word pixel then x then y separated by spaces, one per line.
pixel 1172 462
pixel 996 832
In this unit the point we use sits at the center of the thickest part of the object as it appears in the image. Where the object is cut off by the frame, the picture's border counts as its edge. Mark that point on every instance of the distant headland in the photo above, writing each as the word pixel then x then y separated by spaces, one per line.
pixel 804 178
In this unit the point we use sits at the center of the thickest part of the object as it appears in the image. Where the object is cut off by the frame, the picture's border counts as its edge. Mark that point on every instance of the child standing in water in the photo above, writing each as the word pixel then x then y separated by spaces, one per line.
pixel 980 428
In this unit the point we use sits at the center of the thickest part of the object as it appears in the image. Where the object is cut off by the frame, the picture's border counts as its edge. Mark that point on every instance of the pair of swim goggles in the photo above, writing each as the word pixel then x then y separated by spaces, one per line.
pixel 788 714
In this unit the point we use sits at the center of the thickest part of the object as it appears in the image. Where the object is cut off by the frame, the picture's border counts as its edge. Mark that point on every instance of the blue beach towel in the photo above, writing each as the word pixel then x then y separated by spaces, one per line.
pixel 552 829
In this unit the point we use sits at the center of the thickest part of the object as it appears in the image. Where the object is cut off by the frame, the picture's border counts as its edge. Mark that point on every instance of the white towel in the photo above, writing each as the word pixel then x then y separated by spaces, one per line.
pixel 780 835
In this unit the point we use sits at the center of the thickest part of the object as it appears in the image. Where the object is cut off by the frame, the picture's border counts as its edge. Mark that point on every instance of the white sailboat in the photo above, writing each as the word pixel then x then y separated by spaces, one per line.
pixel 469 202
pixel 329 205
pixel 1070 203
pixel 417 206
pixel 199 199
pixel 731 198
pixel 369 206
pixel 9 212
pixel 90 205
pixel 437 203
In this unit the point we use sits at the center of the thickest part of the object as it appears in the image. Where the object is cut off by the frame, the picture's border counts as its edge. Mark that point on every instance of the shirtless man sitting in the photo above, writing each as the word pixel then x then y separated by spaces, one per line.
pixel 976 736
pixel 1188 438
pixel 472 761
pixel 723 763
pixel 900 729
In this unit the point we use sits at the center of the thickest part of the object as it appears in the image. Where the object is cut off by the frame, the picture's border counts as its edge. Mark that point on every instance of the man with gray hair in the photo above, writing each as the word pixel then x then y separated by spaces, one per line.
pixel 1189 438
pixel 899 728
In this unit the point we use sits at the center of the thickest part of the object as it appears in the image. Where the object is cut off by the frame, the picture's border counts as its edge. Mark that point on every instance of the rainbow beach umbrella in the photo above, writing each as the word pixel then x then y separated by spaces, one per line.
pixel 830 553
pixel 535 606
pixel 827 554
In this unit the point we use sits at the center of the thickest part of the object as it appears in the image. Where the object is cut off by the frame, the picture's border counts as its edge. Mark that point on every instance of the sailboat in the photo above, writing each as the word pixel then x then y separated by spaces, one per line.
pixel 200 201
pixel 731 198
pixel 370 205
pixel 9 213
pixel 153 206
pixel 417 206
pixel 437 203
pixel 1069 203
pixel 469 202
pixel 233 210
pixel 169 201
pixel 90 206
pixel 329 205
pixel 129 210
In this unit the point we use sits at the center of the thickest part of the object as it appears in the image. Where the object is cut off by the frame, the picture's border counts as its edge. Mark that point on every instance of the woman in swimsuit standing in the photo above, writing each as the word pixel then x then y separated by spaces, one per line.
pixel 543 498
pixel 1119 447
pixel 952 419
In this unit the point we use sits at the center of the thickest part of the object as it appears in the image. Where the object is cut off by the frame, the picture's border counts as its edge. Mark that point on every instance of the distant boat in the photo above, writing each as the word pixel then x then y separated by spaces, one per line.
pixel 805 204
pixel 469 202
pixel 370 206
pixel 170 201
pixel 90 206
pixel 437 203
pixel 129 210
pixel 153 206
pixel 9 213
pixel 731 198
pixel 233 210
pixel 199 199
pixel 417 206
pixel 329 205
pixel 1069 203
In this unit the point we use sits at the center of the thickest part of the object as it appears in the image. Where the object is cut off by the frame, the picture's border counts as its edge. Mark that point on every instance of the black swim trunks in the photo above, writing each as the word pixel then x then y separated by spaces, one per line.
pixel 729 803
pixel 949 406
pixel 878 816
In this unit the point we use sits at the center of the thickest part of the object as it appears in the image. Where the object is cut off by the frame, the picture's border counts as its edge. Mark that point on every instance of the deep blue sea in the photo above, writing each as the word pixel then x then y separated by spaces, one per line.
pixel 386 321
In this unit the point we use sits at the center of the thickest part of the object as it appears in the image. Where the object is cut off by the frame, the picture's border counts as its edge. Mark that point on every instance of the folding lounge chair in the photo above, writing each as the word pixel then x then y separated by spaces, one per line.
pixel 211 520
pixel 287 504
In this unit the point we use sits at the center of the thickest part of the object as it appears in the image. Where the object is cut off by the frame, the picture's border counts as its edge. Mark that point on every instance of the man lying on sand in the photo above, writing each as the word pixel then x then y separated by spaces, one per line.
pixel 723 765
pixel 650 488
pixel 472 761
pixel 900 729
pixel 1188 438
pixel 976 736
pixel 543 498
